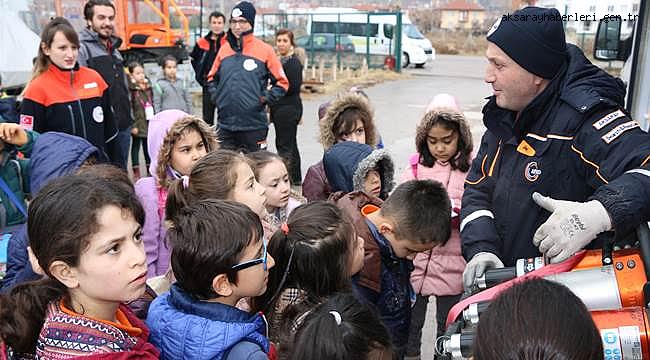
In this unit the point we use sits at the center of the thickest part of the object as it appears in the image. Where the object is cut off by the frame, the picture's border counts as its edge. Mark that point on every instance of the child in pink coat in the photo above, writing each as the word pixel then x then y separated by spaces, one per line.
pixel 444 144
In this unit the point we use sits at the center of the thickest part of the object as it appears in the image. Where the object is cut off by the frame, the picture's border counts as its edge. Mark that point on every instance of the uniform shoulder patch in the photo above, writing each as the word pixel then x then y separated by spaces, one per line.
pixel 619 130
pixel 607 119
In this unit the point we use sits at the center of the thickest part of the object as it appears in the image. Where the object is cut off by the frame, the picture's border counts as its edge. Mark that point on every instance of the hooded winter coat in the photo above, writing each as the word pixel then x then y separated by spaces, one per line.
pixel 573 142
pixel 53 155
pixel 108 62
pixel 153 196
pixel 439 271
pixel 183 327
pixel 347 164
pixel 315 185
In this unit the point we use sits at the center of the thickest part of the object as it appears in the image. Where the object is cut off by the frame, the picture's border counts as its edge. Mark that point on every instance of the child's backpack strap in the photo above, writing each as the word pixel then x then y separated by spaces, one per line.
pixel 414 160
pixel 10 194
pixel 19 172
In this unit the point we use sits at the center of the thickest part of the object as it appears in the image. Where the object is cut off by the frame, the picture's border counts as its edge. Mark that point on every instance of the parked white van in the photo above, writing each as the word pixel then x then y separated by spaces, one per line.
pixel 378 29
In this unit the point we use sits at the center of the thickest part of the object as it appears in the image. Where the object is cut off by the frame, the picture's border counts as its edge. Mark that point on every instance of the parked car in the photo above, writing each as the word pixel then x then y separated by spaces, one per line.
pixel 326 42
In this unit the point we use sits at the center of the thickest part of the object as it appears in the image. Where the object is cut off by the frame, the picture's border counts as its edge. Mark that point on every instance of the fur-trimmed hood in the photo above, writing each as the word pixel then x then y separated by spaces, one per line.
pixel 336 108
pixel 347 164
pixel 431 117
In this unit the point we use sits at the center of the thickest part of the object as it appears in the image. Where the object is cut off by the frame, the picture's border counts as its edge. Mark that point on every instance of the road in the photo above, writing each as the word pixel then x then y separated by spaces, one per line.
pixel 398 106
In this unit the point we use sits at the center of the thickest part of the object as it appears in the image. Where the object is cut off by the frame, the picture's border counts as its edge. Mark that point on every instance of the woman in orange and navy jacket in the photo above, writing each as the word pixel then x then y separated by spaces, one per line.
pixel 64 96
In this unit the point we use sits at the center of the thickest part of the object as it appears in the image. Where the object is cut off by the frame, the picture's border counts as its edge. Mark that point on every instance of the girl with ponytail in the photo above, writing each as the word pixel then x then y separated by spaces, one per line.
pixel 316 252
pixel 221 175
pixel 342 328
pixel 84 234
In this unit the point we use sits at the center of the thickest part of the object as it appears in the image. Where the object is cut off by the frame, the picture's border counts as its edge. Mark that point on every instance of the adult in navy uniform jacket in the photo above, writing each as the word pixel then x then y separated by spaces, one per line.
pixel 203 55
pixel 64 96
pixel 239 83
pixel 560 162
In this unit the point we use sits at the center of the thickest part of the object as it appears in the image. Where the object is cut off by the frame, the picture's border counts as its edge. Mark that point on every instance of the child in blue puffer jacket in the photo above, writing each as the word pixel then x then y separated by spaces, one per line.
pixel 218 257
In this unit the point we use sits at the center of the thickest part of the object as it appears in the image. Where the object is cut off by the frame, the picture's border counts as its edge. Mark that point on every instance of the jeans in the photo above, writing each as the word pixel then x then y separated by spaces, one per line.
pixel 123 144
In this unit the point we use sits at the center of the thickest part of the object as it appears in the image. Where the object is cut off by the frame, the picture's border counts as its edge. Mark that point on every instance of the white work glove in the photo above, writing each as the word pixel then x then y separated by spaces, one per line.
pixel 571 226
pixel 476 267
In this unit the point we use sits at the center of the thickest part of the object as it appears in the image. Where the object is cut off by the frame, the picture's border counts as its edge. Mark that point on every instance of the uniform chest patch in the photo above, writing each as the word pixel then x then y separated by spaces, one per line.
pixel 607 119
pixel 532 172
pixel 98 114
pixel 619 130
pixel 250 65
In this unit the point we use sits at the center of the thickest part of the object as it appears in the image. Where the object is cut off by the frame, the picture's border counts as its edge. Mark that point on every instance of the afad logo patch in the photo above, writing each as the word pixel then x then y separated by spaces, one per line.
pixel 532 172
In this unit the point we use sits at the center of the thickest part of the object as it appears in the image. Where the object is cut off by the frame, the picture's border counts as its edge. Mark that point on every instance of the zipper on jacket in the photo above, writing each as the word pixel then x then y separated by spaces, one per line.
pixel 81 111
pixel 74 127
pixel 83 119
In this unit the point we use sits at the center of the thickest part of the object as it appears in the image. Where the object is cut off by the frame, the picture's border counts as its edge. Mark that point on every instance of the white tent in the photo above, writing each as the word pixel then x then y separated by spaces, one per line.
pixel 18 46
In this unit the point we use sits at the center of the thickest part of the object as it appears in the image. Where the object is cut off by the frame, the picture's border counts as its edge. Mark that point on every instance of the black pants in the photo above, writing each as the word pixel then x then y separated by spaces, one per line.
pixel 285 118
pixel 208 107
pixel 443 305
pixel 135 151
pixel 244 141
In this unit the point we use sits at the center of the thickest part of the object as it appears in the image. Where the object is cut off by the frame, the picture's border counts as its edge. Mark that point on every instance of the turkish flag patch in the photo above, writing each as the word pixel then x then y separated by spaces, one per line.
pixel 27 122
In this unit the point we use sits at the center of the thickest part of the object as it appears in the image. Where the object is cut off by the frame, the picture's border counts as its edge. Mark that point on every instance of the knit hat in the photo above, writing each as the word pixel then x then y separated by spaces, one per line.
pixel 443 101
pixel 534 38
pixel 246 10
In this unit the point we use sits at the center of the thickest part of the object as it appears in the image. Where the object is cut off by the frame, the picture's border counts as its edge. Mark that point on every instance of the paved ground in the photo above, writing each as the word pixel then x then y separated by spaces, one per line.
pixel 398 107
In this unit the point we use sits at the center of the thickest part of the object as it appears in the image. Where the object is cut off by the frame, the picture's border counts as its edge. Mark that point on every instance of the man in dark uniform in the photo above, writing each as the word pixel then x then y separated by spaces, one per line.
pixel 560 162
pixel 203 55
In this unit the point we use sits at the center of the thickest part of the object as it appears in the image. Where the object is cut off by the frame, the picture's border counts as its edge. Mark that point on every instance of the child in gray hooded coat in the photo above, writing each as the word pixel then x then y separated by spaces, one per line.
pixel 169 93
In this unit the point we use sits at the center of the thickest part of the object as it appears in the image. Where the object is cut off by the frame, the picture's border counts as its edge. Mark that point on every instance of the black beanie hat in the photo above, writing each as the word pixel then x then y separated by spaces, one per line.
pixel 245 10
pixel 534 38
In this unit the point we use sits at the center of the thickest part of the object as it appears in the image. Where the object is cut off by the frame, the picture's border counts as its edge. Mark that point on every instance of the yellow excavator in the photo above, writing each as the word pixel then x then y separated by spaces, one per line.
pixel 149 29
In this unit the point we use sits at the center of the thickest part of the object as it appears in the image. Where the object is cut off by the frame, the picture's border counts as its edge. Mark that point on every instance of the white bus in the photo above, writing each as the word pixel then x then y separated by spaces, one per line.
pixel 378 29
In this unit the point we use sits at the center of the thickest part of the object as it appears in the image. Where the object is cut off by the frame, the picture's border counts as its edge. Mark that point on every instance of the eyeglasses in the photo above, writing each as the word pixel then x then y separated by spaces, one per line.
pixel 238 22
pixel 249 263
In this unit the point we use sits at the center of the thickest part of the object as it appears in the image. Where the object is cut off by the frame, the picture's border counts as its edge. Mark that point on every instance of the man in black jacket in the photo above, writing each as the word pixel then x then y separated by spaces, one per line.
pixel 99 51
pixel 203 56
pixel 561 161
pixel 245 77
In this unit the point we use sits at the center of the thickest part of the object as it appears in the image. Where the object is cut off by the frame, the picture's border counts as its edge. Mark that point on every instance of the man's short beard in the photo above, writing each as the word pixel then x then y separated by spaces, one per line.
pixel 102 36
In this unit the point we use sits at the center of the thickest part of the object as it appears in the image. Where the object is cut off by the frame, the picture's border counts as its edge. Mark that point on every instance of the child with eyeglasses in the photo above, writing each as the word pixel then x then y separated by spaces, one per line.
pixel 218 257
